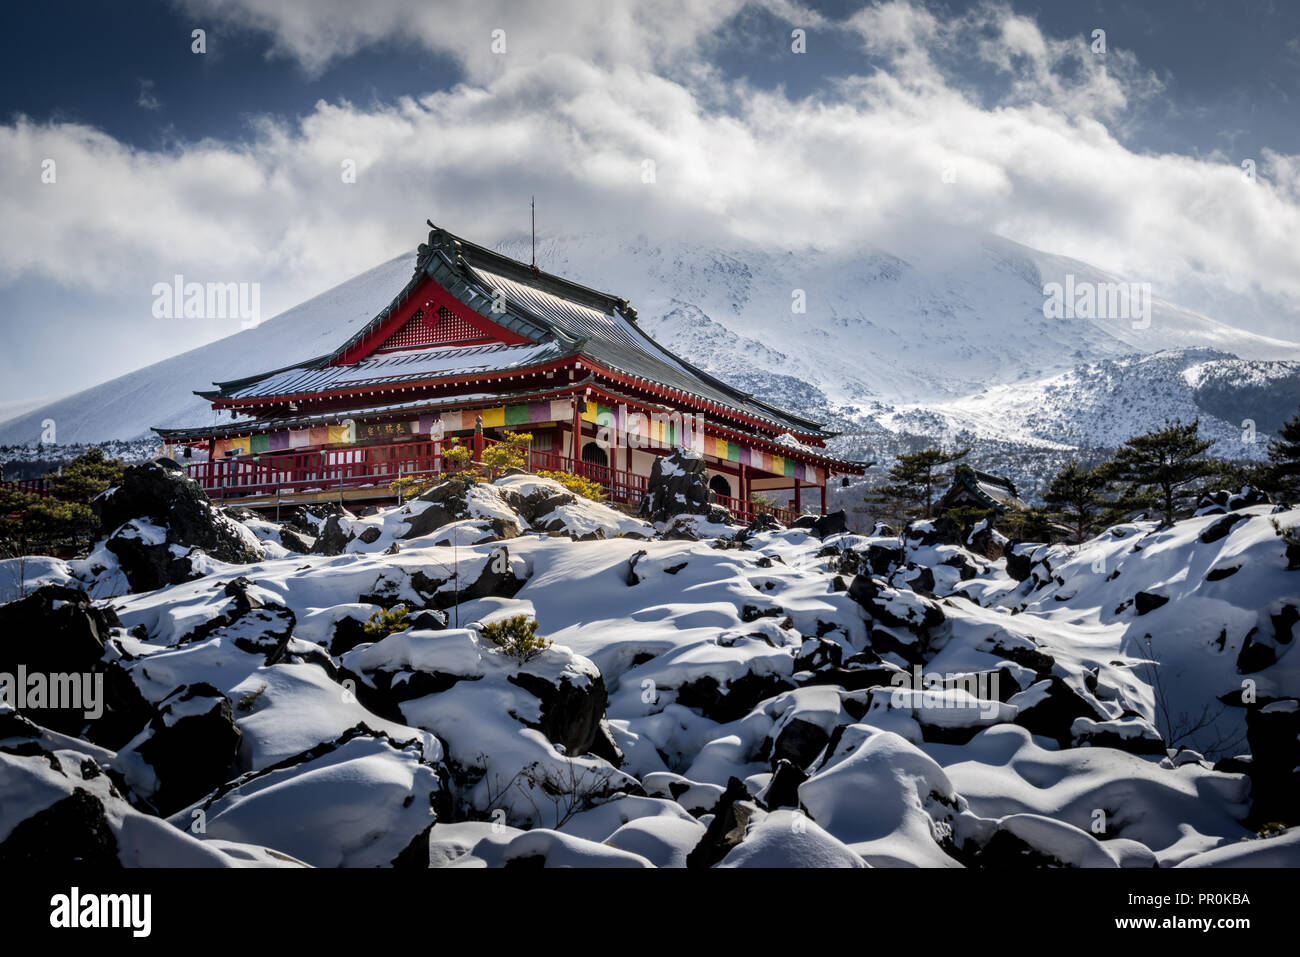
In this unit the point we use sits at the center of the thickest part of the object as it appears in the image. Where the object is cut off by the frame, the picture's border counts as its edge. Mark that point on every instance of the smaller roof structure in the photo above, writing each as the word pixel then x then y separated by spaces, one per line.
pixel 982 489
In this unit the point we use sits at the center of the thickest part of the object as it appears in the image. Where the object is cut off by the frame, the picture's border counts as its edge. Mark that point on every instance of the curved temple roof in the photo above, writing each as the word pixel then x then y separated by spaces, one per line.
pixel 560 317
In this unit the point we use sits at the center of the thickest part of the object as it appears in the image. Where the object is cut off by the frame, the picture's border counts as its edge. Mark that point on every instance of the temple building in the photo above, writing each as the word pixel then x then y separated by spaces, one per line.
pixel 981 490
pixel 478 344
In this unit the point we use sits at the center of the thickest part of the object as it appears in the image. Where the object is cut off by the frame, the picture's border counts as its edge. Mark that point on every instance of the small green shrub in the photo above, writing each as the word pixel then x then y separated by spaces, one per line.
pixel 516 636
pixel 578 484
pixel 385 622
pixel 510 453
pixel 412 486
pixel 249 701
pixel 455 457
pixel 1271 829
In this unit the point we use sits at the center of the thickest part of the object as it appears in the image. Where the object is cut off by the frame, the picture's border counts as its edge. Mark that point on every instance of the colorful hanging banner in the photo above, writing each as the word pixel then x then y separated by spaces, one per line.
pixel 662 431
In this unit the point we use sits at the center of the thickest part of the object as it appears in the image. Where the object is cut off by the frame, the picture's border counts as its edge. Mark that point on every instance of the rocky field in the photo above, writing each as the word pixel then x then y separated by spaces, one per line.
pixel 711 694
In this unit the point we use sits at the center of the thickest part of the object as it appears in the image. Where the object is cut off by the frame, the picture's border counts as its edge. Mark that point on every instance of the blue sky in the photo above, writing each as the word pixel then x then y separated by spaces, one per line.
pixel 224 165
pixel 1231 70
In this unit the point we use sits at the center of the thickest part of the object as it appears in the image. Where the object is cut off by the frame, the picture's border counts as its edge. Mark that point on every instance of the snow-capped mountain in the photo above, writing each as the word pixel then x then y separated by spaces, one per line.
pixel 942 336
pixel 1103 403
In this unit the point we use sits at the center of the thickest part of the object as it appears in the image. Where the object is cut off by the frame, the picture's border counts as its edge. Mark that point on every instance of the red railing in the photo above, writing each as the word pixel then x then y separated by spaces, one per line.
pixel 321 470
pixel 272 473
pixel 330 470
pixel 620 486
pixel 37 486
pixel 748 511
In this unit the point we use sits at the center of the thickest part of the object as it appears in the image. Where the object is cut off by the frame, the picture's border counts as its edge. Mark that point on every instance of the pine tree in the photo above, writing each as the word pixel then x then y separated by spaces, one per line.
pixel 915 477
pixel 86 476
pixel 1234 475
pixel 1284 459
pixel 1033 523
pixel 1078 496
pixel 1159 468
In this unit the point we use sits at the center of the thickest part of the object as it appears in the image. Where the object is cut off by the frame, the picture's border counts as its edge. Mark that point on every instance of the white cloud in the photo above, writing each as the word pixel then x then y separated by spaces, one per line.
pixel 1042 166
pixel 639 33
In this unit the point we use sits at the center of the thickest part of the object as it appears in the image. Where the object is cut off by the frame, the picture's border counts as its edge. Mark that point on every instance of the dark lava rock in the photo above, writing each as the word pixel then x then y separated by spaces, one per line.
pixel 253 625
pixel 1053 716
pixel 935 531
pixel 1258 651
pixel 917 614
pixel 571 714
pixel 799 742
pixel 731 701
pixel 1273 732
pixel 71 833
pixel 731 817
pixel 1146 602
pixel 763 522
pixel 56 631
pixel 1217 530
pixel 161 493
pixel 817 653
pixel 1223 501
pixel 333 538
pixel 832 523
pixel 678 485
pixel 294 541
pixel 1218 574
pixel 883 559
pixel 1020 561
pixel 783 789
pixel 191 744
pixel 918 578
pixel 1148 743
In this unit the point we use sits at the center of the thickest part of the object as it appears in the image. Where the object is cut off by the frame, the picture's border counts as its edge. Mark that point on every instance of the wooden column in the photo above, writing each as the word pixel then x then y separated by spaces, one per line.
pixel 742 493
pixel 798 507
pixel 575 450
pixel 824 481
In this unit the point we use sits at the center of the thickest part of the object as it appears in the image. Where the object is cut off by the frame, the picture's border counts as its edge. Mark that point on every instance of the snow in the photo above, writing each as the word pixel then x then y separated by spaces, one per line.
pixel 33 783
pixel 486 845
pixel 884 798
pixel 686 651
pixel 1281 851
pixel 356 794
pixel 789 839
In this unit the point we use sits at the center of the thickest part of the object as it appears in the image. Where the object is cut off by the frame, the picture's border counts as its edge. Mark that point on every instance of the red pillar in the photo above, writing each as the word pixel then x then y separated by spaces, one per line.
pixel 743 492
pixel 575 450
pixel 824 481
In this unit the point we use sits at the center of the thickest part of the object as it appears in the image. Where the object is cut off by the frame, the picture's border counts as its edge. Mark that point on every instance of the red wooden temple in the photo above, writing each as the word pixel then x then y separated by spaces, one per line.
pixel 477 344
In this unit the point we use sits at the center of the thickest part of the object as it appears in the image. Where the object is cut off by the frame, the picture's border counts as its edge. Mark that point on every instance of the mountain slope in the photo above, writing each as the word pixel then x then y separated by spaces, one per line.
pixel 1103 403
pixel 939 319
pixel 163 393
